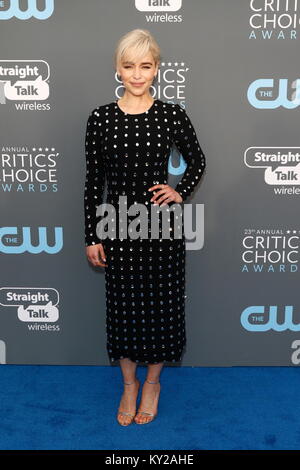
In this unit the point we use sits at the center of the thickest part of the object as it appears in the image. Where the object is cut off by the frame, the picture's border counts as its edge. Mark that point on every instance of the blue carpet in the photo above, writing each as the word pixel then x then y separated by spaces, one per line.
pixel 74 407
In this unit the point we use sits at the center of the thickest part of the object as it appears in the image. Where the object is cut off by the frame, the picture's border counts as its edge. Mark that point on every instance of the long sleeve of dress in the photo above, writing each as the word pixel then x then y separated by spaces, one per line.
pixel 187 143
pixel 95 176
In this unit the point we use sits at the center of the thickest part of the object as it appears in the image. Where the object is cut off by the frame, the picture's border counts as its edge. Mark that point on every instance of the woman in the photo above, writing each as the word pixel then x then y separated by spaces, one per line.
pixel 128 141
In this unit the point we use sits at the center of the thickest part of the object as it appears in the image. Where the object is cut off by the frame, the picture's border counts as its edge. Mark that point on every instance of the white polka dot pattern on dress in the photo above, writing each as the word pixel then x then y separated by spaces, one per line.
pixel 144 278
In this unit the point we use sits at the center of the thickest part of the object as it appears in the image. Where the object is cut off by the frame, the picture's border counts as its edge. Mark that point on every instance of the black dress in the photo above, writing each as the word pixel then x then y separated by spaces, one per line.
pixel 145 277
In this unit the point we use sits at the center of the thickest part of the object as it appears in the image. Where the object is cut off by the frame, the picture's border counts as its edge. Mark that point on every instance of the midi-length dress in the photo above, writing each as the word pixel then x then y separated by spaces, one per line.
pixel 144 277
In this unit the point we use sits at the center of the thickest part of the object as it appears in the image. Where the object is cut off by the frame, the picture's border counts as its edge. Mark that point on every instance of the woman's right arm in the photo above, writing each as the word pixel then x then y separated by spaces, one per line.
pixel 94 186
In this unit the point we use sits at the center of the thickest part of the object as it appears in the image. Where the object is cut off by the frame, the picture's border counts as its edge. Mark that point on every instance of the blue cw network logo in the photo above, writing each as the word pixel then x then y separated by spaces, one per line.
pixel 32 10
pixel 259 315
pixel 13 245
pixel 261 98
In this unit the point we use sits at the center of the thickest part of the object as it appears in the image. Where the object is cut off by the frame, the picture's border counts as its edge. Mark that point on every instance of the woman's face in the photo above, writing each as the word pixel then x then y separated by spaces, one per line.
pixel 138 77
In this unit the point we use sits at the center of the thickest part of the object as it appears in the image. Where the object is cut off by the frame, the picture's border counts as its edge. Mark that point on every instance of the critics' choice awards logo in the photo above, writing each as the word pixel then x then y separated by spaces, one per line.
pixel 268 93
pixel 281 166
pixel 35 305
pixel 160 10
pixel 27 169
pixel 16 240
pixel 278 19
pixel 16 9
pixel 25 82
pixel 265 250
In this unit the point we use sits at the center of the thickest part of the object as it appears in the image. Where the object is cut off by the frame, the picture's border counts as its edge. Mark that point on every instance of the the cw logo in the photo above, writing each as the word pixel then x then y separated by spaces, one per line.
pixel 32 10
pixel 265 319
pixel 7 233
pixel 264 99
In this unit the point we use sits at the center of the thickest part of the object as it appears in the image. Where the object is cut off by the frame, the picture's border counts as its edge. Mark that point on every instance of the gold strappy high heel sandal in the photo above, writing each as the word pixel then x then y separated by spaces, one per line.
pixel 146 412
pixel 124 412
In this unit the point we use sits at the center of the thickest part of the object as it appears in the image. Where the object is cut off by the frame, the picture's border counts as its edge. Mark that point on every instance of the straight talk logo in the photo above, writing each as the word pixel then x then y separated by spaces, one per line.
pixel 280 167
pixel 25 82
pixel 158 7
pixel 37 307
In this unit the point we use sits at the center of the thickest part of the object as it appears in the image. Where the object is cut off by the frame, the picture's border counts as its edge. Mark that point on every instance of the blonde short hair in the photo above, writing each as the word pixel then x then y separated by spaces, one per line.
pixel 140 42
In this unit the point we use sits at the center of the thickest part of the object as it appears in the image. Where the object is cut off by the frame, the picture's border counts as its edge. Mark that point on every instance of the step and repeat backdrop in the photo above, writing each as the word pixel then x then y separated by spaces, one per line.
pixel 232 64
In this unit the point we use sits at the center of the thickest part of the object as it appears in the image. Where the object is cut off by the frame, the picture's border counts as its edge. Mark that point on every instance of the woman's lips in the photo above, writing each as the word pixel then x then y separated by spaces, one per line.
pixel 137 84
